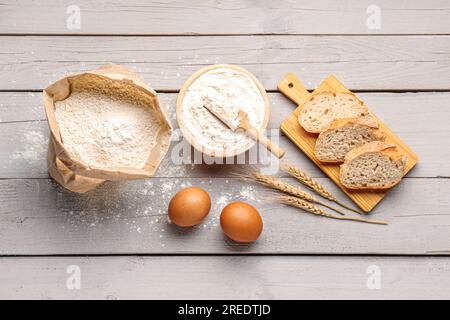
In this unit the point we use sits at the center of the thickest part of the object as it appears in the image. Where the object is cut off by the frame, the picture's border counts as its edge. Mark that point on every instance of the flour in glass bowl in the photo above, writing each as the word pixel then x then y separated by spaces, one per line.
pixel 104 131
pixel 208 131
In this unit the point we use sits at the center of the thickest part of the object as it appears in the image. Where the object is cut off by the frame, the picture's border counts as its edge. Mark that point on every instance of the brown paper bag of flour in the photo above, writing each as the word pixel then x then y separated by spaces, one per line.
pixel 71 172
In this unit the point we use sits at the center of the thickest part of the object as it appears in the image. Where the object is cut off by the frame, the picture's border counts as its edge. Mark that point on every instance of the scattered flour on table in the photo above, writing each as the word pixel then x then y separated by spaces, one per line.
pixel 105 132
pixel 167 187
pixel 235 87
pixel 248 192
pixel 223 200
pixel 34 147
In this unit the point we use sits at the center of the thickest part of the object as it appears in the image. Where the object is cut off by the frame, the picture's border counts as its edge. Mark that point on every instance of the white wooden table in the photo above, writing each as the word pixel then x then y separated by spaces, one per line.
pixel 118 235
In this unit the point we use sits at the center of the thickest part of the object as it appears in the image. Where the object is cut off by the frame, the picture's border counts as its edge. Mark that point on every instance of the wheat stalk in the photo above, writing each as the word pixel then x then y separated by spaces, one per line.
pixel 313 185
pixel 307 181
pixel 285 187
pixel 307 206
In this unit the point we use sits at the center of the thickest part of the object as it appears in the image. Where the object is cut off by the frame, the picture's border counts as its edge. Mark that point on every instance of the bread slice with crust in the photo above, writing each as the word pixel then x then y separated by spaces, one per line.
pixel 343 135
pixel 375 165
pixel 322 108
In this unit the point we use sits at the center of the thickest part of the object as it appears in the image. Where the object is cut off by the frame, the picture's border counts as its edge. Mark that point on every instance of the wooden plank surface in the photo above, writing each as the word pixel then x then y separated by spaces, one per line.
pixel 229 17
pixel 362 63
pixel 226 277
pixel 24 132
pixel 39 217
pixel 365 199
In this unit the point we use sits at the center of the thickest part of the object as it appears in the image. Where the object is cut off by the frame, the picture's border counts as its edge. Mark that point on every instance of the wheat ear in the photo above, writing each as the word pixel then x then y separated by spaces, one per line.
pixel 304 179
pixel 282 186
pixel 307 206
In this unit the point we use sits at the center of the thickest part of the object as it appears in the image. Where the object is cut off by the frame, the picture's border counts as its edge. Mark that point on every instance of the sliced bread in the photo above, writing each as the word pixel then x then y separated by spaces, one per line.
pixel 375 165
pixel 343 135
pixel 324 107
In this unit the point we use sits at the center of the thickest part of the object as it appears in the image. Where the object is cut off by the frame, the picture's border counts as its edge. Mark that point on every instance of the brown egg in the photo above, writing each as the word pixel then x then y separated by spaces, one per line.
pixel 241 222
pixel 189 207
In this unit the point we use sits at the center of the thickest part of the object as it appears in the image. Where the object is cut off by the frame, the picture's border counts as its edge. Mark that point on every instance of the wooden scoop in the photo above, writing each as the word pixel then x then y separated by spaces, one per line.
pixel 235 118
pixel 257 135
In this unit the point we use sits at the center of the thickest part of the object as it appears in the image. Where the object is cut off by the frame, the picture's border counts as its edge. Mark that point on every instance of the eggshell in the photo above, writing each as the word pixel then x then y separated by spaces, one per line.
pixel 189 207
pixel 241 222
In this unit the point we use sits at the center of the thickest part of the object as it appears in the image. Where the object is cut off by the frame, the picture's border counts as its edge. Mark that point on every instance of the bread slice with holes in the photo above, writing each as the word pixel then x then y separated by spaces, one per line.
pixel 322 108
pixel 375 165
pixel 343 135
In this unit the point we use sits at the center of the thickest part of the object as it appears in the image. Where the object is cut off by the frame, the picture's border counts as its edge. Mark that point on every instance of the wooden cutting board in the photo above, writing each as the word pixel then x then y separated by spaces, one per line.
pixel 294 90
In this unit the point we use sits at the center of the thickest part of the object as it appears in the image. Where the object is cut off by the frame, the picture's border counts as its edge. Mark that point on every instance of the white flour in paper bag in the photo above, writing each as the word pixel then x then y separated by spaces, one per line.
pixel 105 132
